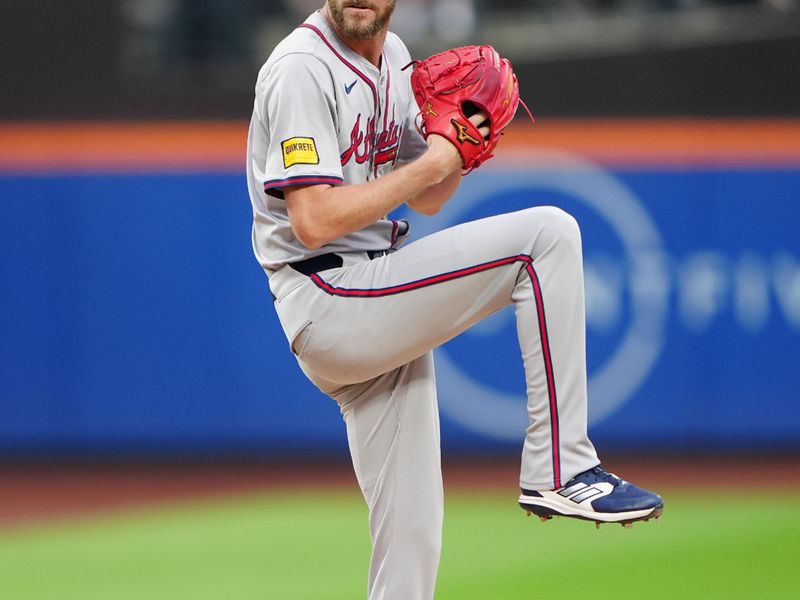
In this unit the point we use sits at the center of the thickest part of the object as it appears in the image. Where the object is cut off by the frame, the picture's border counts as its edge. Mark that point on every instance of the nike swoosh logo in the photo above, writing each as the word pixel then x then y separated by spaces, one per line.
pixel 349 88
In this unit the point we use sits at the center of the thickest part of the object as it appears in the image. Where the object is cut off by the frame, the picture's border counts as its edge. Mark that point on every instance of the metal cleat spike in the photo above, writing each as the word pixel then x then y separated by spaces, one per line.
pixel 597 524
pixel 544 519
pixel 528 513
pixel 628 525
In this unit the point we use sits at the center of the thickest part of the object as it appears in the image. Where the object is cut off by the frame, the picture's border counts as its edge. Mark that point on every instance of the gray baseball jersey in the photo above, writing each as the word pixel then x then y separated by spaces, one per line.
pixel 324 114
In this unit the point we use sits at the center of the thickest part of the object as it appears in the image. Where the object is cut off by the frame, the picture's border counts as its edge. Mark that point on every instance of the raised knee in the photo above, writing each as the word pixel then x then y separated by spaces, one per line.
pixel 560 221
pixel 557 226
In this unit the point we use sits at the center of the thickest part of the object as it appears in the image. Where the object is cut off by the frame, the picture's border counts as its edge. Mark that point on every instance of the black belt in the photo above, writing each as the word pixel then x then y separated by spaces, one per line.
pixel 317 263
pixel 326 261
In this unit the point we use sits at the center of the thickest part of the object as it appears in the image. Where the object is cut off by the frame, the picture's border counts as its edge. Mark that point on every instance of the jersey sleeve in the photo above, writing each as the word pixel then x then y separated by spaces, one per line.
pixel 298 104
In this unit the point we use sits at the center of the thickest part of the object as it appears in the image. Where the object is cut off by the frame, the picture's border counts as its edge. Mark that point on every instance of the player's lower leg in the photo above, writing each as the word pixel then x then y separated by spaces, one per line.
pixel 560 473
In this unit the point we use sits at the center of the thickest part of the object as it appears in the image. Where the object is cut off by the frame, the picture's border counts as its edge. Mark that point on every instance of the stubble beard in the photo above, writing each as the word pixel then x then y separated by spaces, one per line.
pixel 359 28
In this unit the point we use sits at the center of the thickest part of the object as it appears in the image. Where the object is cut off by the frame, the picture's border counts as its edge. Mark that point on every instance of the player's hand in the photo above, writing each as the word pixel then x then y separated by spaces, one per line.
pixel 481 121
pixel 443 150
pixel 444 155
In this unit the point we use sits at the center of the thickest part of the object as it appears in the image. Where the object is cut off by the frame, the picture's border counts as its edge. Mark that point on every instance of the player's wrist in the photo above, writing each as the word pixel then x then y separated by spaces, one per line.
pixel 444 157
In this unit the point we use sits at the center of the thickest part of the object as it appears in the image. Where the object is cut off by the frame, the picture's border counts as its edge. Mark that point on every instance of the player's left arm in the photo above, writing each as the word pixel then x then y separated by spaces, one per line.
pixel 430 201
pixel 413 145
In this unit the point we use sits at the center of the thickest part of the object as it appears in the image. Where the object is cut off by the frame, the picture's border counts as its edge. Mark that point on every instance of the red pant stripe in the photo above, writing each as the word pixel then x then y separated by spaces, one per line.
pixel 443 277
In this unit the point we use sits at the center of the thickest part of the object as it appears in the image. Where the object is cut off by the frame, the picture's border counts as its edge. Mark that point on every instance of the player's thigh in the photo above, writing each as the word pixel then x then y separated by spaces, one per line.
pixel 387 312
pixel 530 231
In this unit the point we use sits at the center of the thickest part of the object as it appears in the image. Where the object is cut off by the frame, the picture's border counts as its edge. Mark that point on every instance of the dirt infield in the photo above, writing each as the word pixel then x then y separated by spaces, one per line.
pixel 36 493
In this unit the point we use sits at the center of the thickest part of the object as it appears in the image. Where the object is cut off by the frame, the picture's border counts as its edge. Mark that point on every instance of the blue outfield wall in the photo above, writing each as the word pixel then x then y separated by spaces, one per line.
pixel 136 320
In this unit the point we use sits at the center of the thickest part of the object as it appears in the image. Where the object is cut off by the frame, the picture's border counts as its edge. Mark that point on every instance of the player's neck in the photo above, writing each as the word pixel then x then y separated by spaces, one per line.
pixel 370 48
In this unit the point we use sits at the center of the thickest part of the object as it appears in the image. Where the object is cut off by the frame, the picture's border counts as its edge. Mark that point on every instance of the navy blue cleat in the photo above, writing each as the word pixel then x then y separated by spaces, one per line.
pixel 595 495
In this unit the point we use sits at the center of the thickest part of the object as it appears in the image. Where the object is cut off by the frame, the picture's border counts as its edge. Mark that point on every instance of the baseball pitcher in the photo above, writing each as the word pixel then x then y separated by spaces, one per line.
pixel 345 129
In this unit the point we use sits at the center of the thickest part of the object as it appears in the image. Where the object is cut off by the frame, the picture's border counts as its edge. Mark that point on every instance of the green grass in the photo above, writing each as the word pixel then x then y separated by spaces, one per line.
pixel 286 547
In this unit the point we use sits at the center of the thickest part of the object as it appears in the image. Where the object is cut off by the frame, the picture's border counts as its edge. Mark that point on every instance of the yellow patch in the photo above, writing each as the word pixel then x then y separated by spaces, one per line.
pixel 299 151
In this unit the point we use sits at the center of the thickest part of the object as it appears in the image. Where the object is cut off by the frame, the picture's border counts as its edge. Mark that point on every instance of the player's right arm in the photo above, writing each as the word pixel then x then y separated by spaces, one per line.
pixel 320 214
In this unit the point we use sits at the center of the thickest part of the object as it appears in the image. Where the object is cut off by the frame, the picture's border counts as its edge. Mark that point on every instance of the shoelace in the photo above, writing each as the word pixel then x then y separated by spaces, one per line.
pixel 604 475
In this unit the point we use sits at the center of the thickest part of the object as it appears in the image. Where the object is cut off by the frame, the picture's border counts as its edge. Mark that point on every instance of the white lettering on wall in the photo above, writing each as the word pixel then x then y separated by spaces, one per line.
pixel 786 280
pixel 750 288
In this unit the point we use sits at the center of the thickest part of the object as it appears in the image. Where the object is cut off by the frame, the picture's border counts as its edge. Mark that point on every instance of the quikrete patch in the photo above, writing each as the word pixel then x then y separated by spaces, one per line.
pixel 299 151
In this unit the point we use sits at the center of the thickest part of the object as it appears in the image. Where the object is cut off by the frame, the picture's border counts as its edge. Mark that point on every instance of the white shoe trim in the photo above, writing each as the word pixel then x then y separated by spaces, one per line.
pixel 563 506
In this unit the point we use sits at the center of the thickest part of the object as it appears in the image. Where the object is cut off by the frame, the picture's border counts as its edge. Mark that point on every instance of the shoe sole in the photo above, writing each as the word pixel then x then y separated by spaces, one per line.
pixel 546 510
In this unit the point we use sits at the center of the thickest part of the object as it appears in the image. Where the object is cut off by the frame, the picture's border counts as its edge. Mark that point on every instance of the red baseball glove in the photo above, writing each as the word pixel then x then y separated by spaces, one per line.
pixel 456 84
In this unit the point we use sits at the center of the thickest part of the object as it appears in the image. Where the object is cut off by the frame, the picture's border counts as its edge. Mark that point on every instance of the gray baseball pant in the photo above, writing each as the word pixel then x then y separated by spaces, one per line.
pixel 363 334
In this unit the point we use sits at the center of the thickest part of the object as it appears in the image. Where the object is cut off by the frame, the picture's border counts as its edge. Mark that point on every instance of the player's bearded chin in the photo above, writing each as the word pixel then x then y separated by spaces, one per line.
pixel 360 27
